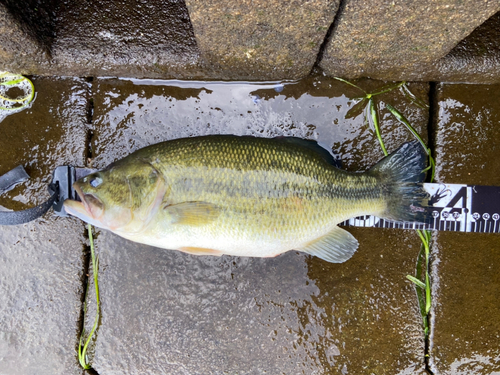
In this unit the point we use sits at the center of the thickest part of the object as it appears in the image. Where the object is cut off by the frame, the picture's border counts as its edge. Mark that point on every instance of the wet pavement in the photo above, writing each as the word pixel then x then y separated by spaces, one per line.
pixel 400 40
pixel 203 315
pixel 42 263
pixel 139 39
pixel 164 311
pixel 276 39
pixel 466 328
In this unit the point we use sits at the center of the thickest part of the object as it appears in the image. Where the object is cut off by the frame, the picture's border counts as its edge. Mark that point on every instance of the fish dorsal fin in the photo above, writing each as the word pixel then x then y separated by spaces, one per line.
pixel 313 146
pixel 193 213
pixel 337 246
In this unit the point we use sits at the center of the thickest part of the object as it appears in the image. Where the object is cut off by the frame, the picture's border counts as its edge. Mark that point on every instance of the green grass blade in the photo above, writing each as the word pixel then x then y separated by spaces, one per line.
pixel 387 89
pixel 374 118
pixel 404 121
pixel 418 102
pixel 349 83
pixel 82 351
pixel 427 294
pixel 416 281
pixel 13 82
pixel 355 110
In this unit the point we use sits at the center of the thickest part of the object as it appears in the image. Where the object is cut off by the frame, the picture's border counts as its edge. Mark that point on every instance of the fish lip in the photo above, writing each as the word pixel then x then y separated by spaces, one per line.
pixel 84 197
pixel 81 195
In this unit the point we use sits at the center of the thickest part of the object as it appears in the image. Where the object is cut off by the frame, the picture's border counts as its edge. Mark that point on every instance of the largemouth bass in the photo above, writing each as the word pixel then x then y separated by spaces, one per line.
pixel 247 196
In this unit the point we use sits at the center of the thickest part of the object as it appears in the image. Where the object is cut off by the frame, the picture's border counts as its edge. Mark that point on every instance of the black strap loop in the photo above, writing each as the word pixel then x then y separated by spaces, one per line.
pixel 60 189
pixel 24 216
pixel 11 179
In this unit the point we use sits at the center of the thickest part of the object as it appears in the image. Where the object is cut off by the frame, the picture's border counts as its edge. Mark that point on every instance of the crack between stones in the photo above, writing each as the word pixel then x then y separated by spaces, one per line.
pixel 86 251
pixel 90 119
pixel 85 282
pixel 431 134
pixel 328 35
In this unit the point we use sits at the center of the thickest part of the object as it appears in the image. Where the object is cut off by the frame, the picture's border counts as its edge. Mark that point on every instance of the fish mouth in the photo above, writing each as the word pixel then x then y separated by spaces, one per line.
pixel 89 208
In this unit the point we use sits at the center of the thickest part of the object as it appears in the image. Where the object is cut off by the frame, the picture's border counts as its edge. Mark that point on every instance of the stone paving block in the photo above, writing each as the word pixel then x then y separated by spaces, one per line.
pixel 475 59
pixel 123 38
pixel 393 40
pixel 260 39
pixel 466 290
pixel 168 312
pixel 20 52
pixel 42 263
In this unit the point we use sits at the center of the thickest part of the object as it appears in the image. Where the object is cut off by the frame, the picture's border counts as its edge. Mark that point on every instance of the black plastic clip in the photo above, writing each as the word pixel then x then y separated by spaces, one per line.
pixel 63 179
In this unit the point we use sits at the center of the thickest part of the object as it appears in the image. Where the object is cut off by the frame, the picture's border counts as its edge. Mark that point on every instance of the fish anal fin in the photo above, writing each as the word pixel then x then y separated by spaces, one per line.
pixel 193 213
pixel 200 251
pixel 337 246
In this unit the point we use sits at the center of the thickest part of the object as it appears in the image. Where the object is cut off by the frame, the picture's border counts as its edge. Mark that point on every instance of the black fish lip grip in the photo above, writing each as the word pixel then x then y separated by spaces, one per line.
pixel 63 179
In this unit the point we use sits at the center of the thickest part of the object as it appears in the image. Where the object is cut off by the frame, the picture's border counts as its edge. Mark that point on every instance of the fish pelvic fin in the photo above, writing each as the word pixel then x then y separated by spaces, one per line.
pixel 401 175
pixel 200 251
pixel 193 213
pixel 336 246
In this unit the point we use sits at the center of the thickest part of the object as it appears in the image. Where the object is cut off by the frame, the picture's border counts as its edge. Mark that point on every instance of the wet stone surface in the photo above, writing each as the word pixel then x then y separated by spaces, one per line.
pixel 165 311
pixel 396 39
pixel 123 38
pixel 259 39
pixel 475 59
pixel 466 291
pixel 41 263
pixel 52 132
pixel 13 39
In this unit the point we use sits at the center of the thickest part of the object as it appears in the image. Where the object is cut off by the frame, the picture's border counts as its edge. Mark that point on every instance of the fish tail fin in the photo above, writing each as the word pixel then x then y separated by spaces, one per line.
pixel 401 174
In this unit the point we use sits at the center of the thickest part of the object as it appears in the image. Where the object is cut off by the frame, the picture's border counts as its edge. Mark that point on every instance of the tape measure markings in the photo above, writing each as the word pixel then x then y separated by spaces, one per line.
pixel 455 207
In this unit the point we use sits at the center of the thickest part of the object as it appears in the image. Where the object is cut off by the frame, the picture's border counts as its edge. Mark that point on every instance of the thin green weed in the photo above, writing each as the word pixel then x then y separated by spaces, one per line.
pixel 84 343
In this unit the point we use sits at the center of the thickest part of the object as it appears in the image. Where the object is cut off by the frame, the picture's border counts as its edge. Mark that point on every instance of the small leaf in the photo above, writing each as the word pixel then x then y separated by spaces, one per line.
pixel 375 123
pixel 13 82
pixel 416 281
pixel 355 110
pixel 388 88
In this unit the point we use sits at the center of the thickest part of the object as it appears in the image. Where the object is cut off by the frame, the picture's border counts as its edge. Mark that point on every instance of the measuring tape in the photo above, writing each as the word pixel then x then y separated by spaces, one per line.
pixel 455 207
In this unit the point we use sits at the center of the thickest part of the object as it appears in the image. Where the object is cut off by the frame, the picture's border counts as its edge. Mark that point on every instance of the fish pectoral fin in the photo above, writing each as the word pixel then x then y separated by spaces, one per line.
pixel 193 213
pixel 336 247
pixel 200 251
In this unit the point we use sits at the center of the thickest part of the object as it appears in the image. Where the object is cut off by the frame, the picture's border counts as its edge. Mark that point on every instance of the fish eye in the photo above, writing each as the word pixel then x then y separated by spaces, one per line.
pixel 95 182
pixel 153 176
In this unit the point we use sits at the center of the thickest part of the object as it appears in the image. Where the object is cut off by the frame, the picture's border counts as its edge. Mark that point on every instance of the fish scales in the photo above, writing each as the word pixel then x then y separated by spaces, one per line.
pixel 244 196
pixel 276 192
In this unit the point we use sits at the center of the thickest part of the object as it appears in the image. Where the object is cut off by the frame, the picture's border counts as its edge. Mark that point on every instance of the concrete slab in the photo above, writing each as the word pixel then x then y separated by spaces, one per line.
pixel 260 39
pixel 168 312
pixel 396 40
pixel 42 263
pixel 466 289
